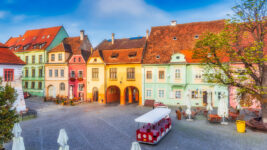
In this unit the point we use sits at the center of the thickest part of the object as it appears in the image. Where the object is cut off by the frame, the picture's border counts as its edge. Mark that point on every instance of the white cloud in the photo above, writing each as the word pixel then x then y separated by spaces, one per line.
pixel 212 12
pixel 3 14
pixel 18 18
pixel 126 18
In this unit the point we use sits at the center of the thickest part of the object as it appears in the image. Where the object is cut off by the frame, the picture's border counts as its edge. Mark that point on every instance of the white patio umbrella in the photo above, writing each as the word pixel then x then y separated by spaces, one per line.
pixel 71 94
pixel 62 140
pixel 223 110
pixel 188 106
pixel 135 146
pixel 209 107
pixel 18 143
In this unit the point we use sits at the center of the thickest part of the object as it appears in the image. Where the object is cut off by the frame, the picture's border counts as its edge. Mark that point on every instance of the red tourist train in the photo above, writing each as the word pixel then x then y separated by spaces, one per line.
pixel 155 125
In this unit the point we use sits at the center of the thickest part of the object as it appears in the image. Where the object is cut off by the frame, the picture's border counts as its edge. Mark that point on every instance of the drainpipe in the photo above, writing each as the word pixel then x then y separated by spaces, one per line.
pixel 144 91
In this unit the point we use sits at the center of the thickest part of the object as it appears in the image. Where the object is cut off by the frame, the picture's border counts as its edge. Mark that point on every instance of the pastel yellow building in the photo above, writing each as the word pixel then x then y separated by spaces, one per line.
pixel 56 70
pixel 96 78
pixel 122 62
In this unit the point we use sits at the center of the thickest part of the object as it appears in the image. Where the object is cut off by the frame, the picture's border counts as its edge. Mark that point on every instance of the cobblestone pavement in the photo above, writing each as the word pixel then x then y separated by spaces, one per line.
pixel 112 127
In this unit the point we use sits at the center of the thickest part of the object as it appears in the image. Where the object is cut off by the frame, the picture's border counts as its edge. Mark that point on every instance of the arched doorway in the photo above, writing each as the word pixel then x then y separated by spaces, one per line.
pixel 131 95
pixel 95 94
pixel 51 91
pixel 113 94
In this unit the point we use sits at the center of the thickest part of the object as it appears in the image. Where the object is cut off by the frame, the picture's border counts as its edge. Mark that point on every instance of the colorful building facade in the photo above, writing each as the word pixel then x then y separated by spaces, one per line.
pixel 122 59
pixel 170 73
pixel 11 73
pixel 32 48
pixel 96 78
pixel 57 70
pixel 81 50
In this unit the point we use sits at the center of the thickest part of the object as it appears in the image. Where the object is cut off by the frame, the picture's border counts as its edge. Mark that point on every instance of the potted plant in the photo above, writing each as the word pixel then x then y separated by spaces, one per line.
pixel 72 103
pixel 80 79
pixel 72 79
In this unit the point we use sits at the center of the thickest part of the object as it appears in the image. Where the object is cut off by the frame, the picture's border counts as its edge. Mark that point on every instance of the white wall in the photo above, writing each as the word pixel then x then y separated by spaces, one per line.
pixel 16 83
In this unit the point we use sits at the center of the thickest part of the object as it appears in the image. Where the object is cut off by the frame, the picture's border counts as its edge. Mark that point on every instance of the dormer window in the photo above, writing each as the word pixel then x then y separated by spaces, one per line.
pixel 174 38
pixel 26 46
pixel 132 54
pixel 43 37
pixel 79 59
pixel 48 36
pixel 41 45
pixel 114 55
pixel 16 48
pixel 157 56
pixel 23 39
pixel 34 38
pixel 35 46
pixel 196 37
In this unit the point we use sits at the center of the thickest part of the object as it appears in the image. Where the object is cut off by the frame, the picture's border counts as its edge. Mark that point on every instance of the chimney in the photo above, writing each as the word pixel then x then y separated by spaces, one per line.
pixel 112 38
pixel 20 35
pixel 81 35
pixel 91 50
pixel 173 23
pixel 147 34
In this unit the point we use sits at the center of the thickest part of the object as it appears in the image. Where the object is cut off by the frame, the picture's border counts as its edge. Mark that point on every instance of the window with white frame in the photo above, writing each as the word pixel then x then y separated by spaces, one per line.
pixel 177 74
pixel 148 75
pixel 161 74
pixel 59 57
pixel 198 74
pixel 62 72
pixel 72 74
pixel 50 72
pixel 161 93
pixel 148 93
pixel 178 94
pixel 56 73
pixel 81 86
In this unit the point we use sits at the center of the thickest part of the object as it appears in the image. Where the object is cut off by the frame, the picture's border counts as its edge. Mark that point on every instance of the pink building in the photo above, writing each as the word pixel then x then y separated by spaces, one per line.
pixel 233 92
pixel 81 47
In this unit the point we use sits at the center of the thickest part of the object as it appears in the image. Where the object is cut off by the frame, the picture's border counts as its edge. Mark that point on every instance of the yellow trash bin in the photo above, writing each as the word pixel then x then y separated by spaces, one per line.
pixel 240 126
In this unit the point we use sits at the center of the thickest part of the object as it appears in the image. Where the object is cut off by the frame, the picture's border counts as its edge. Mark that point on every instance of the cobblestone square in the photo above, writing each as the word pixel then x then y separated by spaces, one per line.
pixel 111 127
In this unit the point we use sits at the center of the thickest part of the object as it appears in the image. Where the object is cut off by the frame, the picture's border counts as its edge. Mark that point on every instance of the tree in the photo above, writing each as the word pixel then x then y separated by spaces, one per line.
pixel 8 116
pixel 240 42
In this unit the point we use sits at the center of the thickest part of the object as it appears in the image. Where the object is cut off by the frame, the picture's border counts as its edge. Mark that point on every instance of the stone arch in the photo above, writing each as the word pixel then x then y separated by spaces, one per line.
pixel 131 95
pixel 113 94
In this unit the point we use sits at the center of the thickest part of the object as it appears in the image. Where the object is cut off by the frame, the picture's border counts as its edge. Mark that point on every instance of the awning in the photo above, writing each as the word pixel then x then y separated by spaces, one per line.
pixel 153 116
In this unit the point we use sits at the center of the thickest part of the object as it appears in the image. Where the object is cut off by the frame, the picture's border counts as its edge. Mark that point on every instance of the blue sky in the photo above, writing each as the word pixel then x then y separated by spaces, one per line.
pixel 100 18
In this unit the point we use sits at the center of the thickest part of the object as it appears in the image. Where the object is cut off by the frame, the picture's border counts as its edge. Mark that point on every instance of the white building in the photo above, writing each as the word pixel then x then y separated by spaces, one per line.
pixel 11 73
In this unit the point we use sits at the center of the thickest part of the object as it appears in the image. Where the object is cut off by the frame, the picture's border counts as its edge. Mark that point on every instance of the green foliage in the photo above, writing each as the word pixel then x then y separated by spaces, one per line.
pixel 7 116
pixel 235 56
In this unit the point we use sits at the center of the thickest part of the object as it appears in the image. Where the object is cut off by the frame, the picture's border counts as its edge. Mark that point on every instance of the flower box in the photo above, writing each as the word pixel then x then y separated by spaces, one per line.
pixel 80 79
pixel 72 79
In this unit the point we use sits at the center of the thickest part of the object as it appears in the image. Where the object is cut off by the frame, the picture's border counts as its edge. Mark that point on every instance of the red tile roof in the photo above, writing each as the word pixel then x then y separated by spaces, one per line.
pixel 122 56
pixel 190 59
pixel 164 41
pixel 96 53
pixel 33 37
pixel 125 43
pixel 8 57
pixel 123 51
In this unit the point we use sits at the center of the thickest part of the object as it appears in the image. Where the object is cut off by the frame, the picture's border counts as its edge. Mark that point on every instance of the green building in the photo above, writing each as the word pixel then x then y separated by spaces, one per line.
pixel 170 75
pixel 32 48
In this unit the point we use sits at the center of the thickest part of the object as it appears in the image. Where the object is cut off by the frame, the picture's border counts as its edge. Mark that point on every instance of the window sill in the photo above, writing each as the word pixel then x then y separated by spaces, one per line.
pixel 130 79
pixel 95 79
pixel 113 79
